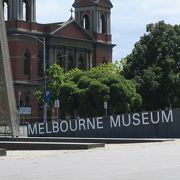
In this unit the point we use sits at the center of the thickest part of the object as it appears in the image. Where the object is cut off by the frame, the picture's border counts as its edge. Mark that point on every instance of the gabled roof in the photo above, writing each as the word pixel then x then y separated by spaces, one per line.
pixel 70 29
pixel 85 3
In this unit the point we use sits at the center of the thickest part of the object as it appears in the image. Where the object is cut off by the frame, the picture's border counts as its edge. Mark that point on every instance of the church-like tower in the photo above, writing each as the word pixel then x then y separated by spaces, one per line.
pixel 24 10
pixel 94 16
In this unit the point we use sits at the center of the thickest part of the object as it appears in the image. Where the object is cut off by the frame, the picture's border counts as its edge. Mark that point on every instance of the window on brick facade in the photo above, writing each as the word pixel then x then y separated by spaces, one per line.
pixel 71 55
pixel 81 63
pixel 6 10
pixel 24 11
pixel 60 57
pixel 85 22
pixel 102 24
pixel 27 62
pixel 70 62
pixel 82 58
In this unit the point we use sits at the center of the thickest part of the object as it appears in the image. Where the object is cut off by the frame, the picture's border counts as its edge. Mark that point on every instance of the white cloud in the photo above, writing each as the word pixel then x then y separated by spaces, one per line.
pixel 53 10
pixel 129 18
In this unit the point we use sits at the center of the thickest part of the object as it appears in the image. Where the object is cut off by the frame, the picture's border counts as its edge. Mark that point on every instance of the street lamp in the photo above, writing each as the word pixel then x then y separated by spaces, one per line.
pixel 42 40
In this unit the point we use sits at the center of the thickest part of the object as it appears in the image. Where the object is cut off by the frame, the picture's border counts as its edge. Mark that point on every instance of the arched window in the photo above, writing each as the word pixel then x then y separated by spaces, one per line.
pixel 81 61
pixel 70 62
pixel 27 62
pixel 24 11
pixel 60 57
pixel 102 24
pixel 85 22
pixel 70 58
pixel 6 10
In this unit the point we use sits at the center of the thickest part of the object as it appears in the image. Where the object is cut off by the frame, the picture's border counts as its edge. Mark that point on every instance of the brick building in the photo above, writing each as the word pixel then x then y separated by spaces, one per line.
pixel 83 42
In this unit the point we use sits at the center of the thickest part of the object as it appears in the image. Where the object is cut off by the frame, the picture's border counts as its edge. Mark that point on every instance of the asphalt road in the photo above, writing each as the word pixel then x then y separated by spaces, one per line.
pixel 151 161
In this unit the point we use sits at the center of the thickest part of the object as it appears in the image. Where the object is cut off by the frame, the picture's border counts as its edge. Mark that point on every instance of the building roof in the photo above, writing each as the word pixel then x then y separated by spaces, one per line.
pixel 70 29
pixel 84 3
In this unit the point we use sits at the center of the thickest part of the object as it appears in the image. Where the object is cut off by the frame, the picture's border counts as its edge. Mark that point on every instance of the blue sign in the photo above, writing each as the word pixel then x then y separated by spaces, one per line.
pixel 25 110
pixel 47 96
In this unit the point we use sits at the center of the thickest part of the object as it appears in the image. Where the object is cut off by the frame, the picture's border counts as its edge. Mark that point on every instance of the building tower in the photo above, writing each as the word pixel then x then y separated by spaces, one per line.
pixel 24 10
pixel 95 17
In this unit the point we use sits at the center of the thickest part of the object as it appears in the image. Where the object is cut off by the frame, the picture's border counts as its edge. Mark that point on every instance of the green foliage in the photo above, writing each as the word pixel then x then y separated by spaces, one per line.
pixel 84 82
pixel 104 83
pixel 55 80
pixel 39 96
pixel 74 75
pixel 84 93
pixel 154 65
pixel 92 99
pixel 69 97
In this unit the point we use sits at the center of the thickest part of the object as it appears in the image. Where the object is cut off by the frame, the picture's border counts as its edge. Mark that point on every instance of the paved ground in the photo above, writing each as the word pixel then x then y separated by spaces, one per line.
pixel 152 161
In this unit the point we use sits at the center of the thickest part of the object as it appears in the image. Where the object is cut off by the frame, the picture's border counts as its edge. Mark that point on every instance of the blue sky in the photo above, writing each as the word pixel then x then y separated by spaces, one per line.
pixel 129 18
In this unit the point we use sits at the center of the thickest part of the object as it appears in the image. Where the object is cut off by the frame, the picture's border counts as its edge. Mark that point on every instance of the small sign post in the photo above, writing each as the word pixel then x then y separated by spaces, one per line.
pixel 47 99
pixel 47 96
pixel 57 105
pixel 105 107
pixel 25 110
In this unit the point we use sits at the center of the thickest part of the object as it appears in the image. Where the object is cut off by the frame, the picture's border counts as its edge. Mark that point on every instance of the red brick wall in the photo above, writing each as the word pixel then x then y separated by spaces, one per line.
pixel 17 48
pixel 72 31
pixel 103 53
pixel 102 37
pixel 31 26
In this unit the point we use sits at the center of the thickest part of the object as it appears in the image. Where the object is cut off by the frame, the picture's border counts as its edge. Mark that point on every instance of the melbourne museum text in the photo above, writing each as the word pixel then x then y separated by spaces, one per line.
pixel 146 124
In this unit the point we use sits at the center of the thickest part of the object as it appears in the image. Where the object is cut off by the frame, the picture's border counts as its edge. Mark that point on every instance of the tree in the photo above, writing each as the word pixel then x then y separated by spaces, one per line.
pixel 123 97
pixel 69 98
pixel 154 65
pixel 54 80
pixel 83 93
pixel 104 83
pixel 56 76
pixel 92 98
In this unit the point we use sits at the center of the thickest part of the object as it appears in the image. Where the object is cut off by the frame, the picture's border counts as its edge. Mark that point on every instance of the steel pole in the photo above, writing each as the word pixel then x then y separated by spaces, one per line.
pixel 44 72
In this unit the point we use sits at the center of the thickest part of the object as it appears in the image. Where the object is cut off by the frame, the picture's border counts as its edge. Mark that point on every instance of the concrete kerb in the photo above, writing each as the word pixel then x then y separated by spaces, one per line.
pixel 16 146
pixel 53 143
pixel 85 140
